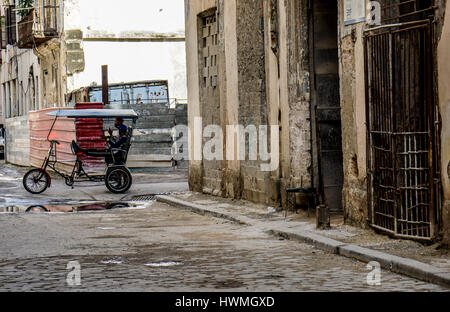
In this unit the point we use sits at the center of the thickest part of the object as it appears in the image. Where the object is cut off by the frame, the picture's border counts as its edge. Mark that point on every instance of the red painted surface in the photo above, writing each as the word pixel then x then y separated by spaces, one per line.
pixel 63 131
pixel 90 135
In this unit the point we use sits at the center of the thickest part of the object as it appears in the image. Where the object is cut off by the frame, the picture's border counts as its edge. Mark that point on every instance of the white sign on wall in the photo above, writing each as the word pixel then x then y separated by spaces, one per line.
pixel 354 11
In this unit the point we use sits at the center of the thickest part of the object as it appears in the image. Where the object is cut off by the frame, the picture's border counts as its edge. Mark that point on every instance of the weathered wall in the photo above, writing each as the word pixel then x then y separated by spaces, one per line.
pixel 23 66
pixel 352 103
pixel 239 98
pixel 252 93
pixel 272 98
pixel 73 41
pixel 443 61
pixel 264 78
pixel 257 85
pixel 212 100
pixel 352 94
pixel 296 116
pixel 192 10
pixel 52 84
pixel 20 66
pixel 18 141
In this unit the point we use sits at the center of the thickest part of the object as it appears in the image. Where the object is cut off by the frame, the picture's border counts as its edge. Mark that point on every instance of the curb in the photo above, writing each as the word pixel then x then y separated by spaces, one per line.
pixel 197 208
pixel 405 266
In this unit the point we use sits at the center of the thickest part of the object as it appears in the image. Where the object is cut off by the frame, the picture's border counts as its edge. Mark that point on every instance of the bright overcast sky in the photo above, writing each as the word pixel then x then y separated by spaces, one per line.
pixel 122 15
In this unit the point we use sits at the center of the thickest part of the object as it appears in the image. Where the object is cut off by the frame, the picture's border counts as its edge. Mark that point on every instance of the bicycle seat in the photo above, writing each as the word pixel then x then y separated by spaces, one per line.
pixel 54 141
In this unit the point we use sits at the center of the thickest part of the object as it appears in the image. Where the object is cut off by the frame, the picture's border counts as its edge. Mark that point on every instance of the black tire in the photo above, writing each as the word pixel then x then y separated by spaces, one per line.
pixel 36 208
pixel 118 180
pixel 36 181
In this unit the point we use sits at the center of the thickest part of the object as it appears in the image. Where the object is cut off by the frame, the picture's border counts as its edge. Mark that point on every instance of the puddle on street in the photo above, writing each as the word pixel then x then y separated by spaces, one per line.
pixel 72 208
pixel 111 261
pixel 163 264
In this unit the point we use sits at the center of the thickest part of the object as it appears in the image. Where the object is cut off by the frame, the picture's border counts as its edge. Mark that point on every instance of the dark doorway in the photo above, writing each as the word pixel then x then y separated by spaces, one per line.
pixel 326 110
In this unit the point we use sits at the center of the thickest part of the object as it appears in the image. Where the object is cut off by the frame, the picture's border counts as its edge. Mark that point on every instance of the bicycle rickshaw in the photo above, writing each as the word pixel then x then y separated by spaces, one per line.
pixel 117 177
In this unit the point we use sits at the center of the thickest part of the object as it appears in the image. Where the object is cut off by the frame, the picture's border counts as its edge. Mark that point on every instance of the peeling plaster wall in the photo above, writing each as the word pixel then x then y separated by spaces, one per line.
pixel 354 199
pixel 252 93
pixel 258 86
pixel 192 9
pixel 75 60
pixel 241 87
pixel 15 118
pixel 443 61
pixel 52 77
pixel 297 172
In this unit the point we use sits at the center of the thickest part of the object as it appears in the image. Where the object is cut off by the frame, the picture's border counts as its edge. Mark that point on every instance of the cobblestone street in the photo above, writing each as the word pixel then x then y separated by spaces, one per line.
pixel 189 148
pixel 161 248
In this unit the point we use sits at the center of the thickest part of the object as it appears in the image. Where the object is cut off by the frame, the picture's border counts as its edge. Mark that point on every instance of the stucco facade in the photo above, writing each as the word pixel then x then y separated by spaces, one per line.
pixel 443 61
pixel 254 89
pixel 297 65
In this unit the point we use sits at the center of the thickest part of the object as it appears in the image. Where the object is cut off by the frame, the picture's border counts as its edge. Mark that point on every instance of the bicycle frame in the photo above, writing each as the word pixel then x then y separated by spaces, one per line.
pixel 77 172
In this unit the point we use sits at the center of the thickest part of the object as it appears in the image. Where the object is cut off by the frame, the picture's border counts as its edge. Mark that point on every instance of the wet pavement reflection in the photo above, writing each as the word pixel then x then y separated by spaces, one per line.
pixel 68 208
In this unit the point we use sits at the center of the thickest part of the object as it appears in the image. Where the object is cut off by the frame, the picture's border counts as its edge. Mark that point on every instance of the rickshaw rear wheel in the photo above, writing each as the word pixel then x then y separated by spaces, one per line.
pixel 36 181
pixel 118 180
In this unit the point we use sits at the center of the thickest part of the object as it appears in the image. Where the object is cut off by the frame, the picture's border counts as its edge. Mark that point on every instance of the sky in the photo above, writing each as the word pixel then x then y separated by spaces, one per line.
pixel 122 15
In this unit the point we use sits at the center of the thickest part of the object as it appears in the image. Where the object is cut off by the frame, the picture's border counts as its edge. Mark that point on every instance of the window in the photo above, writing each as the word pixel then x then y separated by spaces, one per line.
pixel 4 108
pixel 10 25
pixel 400 11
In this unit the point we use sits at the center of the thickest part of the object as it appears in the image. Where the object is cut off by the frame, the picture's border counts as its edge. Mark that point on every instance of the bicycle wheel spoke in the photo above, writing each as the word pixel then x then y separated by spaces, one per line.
pixel 35 181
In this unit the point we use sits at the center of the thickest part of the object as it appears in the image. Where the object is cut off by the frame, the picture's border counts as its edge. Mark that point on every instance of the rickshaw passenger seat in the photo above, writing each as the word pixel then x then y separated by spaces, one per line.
pixel 119 155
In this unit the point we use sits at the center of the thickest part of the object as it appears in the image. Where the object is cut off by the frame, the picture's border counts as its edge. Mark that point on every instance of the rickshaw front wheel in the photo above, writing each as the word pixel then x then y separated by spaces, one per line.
pixel 36 181
pixel 118 180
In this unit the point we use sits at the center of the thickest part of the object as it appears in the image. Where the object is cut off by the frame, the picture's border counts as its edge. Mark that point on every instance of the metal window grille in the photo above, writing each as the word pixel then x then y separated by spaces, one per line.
pixel 209 50
pixel 400 11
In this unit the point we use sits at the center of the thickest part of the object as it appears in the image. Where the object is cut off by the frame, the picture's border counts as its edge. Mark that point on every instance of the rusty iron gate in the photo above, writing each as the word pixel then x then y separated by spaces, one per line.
pixel 401 130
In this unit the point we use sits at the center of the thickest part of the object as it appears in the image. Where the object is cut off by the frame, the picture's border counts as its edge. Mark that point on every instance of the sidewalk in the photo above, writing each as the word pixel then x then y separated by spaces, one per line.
pixel 427 263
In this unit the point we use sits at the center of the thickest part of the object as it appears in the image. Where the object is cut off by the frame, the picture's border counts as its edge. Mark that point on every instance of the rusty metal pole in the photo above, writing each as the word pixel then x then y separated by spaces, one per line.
pixel 323 217
pixel 105 95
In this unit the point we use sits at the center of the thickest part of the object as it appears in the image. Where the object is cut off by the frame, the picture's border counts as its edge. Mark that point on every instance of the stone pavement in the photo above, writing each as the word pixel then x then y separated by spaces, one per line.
pixel 427 263
pixel 166 249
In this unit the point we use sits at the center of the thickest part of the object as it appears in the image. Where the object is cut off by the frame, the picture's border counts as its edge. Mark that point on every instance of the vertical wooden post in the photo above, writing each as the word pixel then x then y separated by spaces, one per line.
pixel 105 95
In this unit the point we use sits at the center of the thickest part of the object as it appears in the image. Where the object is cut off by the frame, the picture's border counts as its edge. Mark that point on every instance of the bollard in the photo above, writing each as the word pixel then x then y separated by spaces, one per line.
pixel 322 217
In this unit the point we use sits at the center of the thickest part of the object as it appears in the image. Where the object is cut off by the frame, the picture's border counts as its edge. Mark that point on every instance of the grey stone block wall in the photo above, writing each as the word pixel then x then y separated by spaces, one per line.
pixel 17 142
pixel 153 138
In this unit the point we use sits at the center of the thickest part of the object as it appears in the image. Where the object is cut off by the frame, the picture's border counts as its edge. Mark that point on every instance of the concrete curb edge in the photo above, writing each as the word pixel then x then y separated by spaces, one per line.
pixel 196 208
pixel 405 266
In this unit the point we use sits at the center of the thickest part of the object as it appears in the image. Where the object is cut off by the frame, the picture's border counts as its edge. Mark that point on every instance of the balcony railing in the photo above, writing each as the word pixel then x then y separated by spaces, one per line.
pixel 38 26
